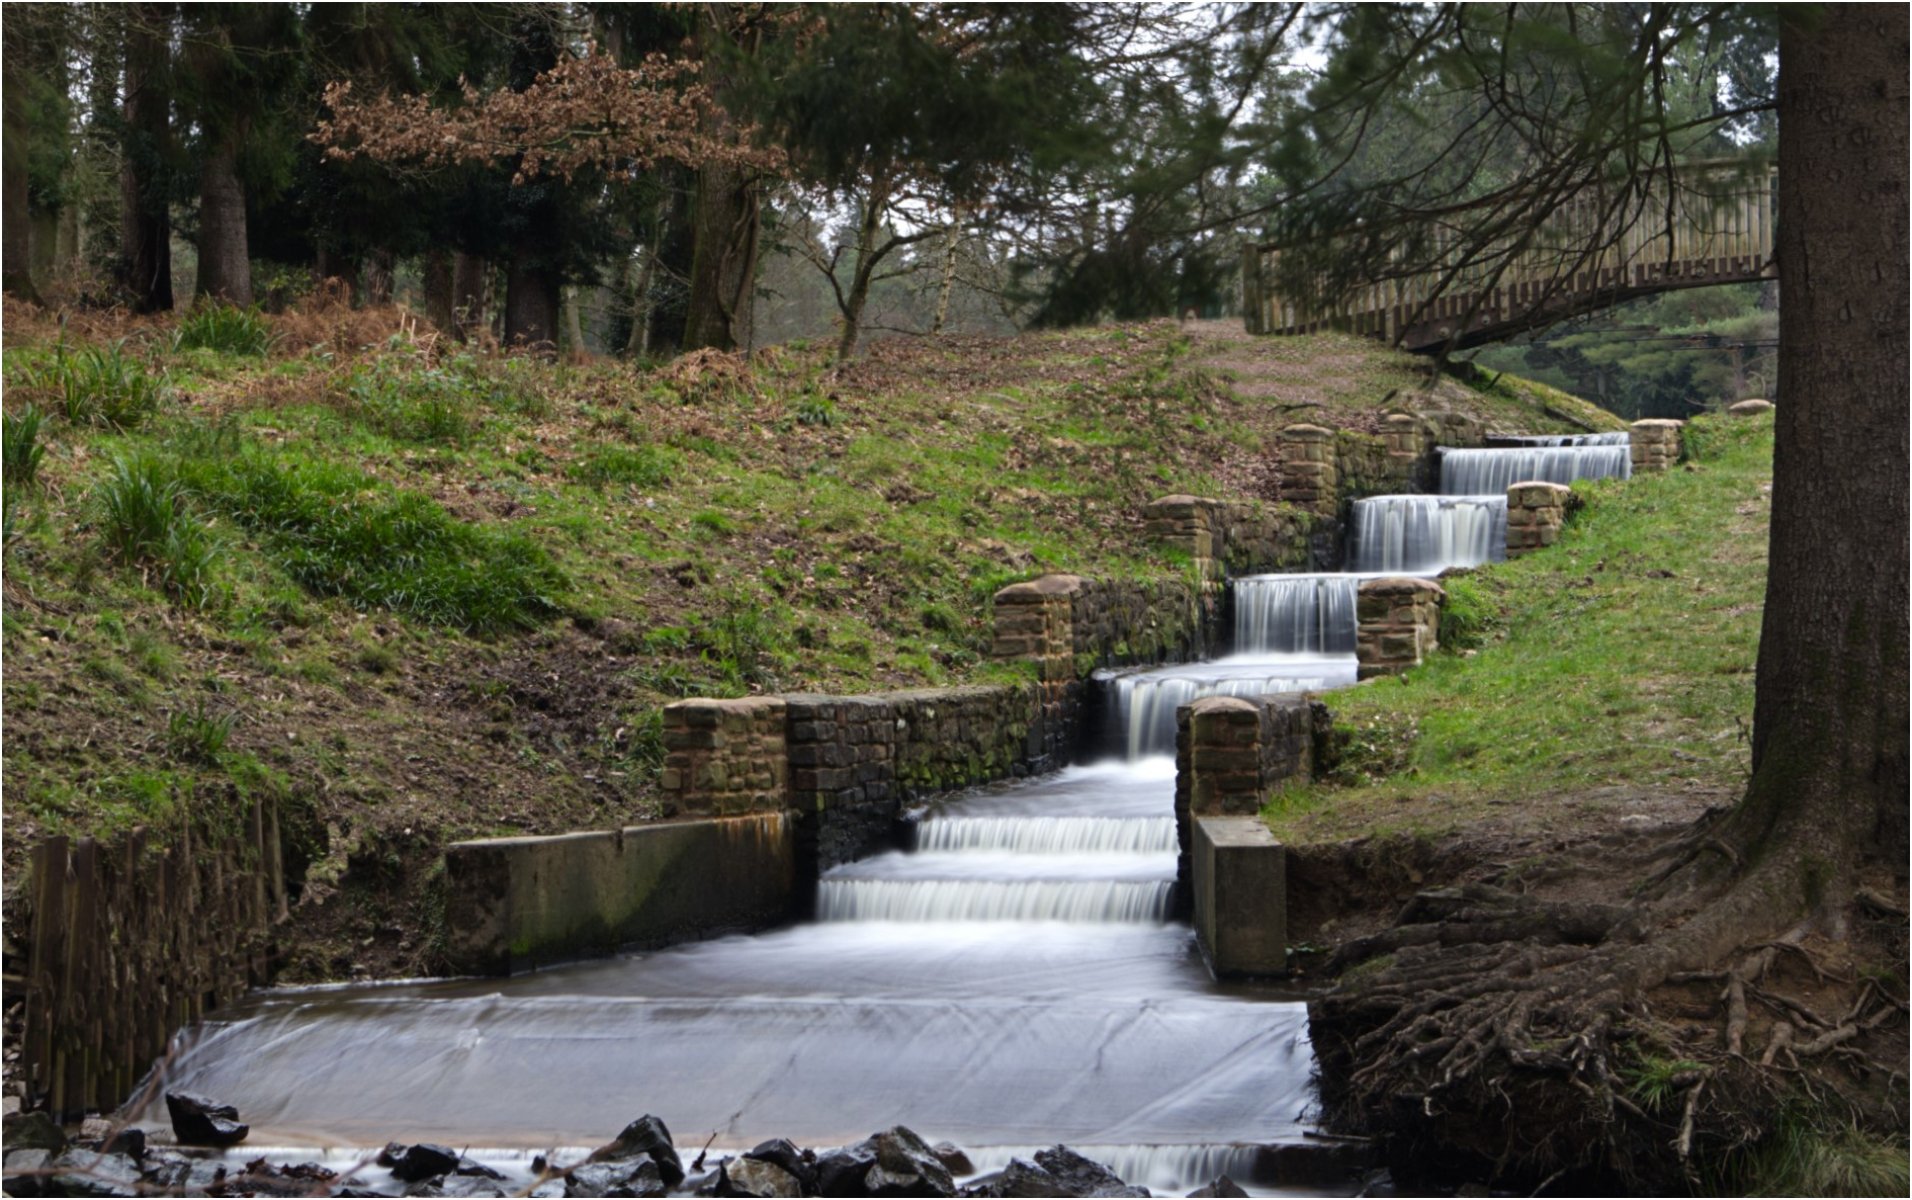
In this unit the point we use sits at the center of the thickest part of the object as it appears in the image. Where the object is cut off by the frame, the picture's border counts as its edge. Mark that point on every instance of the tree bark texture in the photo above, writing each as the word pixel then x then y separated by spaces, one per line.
pixel 532 301
pixel 723 272
pixel 437 284
pixel 1830 706
pixel 470 287
pixel 225 266
pixel 146 253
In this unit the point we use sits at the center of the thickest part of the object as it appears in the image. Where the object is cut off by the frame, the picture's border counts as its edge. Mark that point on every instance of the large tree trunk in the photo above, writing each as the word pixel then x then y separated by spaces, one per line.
pixel 146 252
pixel 1830 708
pixel 225 266
pixel 470 288
pixel 440 309
pixel 532 299
pixel 723 272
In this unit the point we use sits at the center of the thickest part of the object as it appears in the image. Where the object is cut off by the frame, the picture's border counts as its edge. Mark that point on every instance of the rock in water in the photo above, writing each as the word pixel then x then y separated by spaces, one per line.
pixel 636 1175
pixel 906 1166
pixel 198 1121
pixel 780 1152
pixel 412 1164
pixel 1060 1171
pixel 88 1173
pixel 953 1159
pixel 755 1177
pixel 32 1131
pixel 646 1135
pixel 841 1172
pixel 24 1172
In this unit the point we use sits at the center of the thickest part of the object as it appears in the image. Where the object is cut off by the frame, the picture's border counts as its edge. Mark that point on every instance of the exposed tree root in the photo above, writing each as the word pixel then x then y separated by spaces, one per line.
pixel 1514 1030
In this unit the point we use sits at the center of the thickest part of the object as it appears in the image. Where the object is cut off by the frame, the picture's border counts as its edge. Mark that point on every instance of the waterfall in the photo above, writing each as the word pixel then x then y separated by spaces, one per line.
pixel 1145 702
pixel 1094 900
pixel 1048 835
pixel 1622 438
pixel 1295 614
pixel 1424 535
pixel 1492 472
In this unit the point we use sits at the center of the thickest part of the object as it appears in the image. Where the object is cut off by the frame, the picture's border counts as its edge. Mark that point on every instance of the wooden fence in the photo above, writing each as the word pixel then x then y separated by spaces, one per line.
pixel 128 943
pixel 1720 231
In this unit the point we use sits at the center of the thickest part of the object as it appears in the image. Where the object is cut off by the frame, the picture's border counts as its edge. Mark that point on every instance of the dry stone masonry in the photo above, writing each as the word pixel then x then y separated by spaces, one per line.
pixel 1535 513
pixel 1240 537
pixel 1399 624
pixel 724 758
pixel 1309 475
pixel 1656 444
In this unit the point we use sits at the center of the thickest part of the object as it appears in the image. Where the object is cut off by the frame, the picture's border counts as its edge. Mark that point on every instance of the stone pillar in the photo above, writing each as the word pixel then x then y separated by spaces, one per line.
pixel 1409 446
pixel 1036 621
pixel 1656 444
pixel 1399 623
pixel 726 757
pixel 1308 474
pixel 1535 513
pixel 1750 408
pixel 1187 524
pixel 1240 897
pixel 842 774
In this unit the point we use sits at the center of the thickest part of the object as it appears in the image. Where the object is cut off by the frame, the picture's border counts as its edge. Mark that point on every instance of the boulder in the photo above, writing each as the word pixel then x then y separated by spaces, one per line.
pixel 780 1152
pixel 32 1131
pixel 1059 1171
pixel 25 1172
pixel 634 1175
pixel 953 1159
pixel 461 1186
pixel 198 1121
pixel 1750 408
pixel 646 1135
pixel 755 1177
pixel 906 1166
pixel 90 1173
pixel 413 1164
pixel 1223 1186
pixel 841 1172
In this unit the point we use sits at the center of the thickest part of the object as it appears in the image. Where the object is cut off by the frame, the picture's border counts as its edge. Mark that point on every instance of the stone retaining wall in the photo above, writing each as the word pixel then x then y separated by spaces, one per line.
pixel 726 757
pixel 1535 513
pixel 1399 624
pixel 518 903
pixel 1234 537
pixel 1655 444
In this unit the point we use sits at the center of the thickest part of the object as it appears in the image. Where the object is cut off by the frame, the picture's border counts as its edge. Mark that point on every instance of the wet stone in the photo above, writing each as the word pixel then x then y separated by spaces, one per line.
pixel 411 1164
pixel 1224 1186
pixel 754 1177
pixel 198 1121
pixel 646 1135
pixel 90 1173
pixel 636 1175
pixel 953 1159
pixel 32 1131
pixel 23 1174
pixel 1060 1171
pixel 780 1152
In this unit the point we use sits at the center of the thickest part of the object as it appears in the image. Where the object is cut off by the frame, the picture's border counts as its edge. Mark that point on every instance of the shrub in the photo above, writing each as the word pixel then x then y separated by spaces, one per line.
pixel 197 736
pixel 816 410
pixel 339 532
pixel 98 385
pixel 146 522
pixel 228 330
pixel 644 467
pixel 20 448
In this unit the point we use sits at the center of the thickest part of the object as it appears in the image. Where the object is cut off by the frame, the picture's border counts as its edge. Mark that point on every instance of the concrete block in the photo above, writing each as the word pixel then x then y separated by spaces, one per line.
pixel 1240 889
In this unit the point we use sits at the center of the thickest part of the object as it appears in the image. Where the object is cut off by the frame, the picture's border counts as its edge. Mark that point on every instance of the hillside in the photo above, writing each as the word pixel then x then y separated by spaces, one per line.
pixel 422 593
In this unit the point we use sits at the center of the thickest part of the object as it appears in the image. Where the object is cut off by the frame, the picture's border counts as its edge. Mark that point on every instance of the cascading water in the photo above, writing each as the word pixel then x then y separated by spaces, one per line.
pixel 1295 614
pixel 1492 472
pixel 1425 535
pixel 1622 438
pixel 1145 701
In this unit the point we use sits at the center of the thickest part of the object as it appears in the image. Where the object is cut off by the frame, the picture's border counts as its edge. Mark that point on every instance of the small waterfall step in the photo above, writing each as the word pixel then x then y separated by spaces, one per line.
pixel 1425 535
pixel 1469 472
pixel 975 885
pixel 1145 701
pixel 1295 614
pixel 1047 835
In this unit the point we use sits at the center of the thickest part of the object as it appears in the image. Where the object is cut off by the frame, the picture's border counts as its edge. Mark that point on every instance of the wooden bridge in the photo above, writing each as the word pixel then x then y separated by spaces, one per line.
pixel 1711 224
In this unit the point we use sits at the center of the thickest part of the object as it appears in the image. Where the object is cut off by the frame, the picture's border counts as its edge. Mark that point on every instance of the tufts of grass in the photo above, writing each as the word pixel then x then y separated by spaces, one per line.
pixel 146 521
pixel 195 735
pixel 339 532
pixel 429 405
pixel 98 385
pixel 226 330
pixel 1468 614
pixel 21 450
pixel 1800 1158
pixel 816 411
pixel 644 467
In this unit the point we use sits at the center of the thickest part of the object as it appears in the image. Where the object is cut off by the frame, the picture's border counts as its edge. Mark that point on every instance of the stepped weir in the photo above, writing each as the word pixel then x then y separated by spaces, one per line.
pixel 1012 972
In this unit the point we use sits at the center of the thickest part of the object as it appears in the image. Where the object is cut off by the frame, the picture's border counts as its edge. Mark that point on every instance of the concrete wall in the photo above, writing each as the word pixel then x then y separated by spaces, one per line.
pixel 1240 897
pixel 518 903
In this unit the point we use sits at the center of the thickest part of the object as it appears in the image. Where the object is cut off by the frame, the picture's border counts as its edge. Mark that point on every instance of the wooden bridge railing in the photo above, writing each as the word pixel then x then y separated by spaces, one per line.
pixel 1720 231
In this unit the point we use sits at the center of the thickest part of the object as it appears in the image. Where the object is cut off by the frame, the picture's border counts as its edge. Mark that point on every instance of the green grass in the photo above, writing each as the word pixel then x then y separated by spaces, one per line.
pixel 339 532
pixel 95 385
pixel 1621 658
pixel 147 522
pixel 645 467
pixel 225 330
pixel 21 450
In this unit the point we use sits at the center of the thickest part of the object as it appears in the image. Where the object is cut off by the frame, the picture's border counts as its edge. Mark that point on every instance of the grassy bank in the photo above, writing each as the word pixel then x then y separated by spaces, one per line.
pixel 419 592
pixel 1608 677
